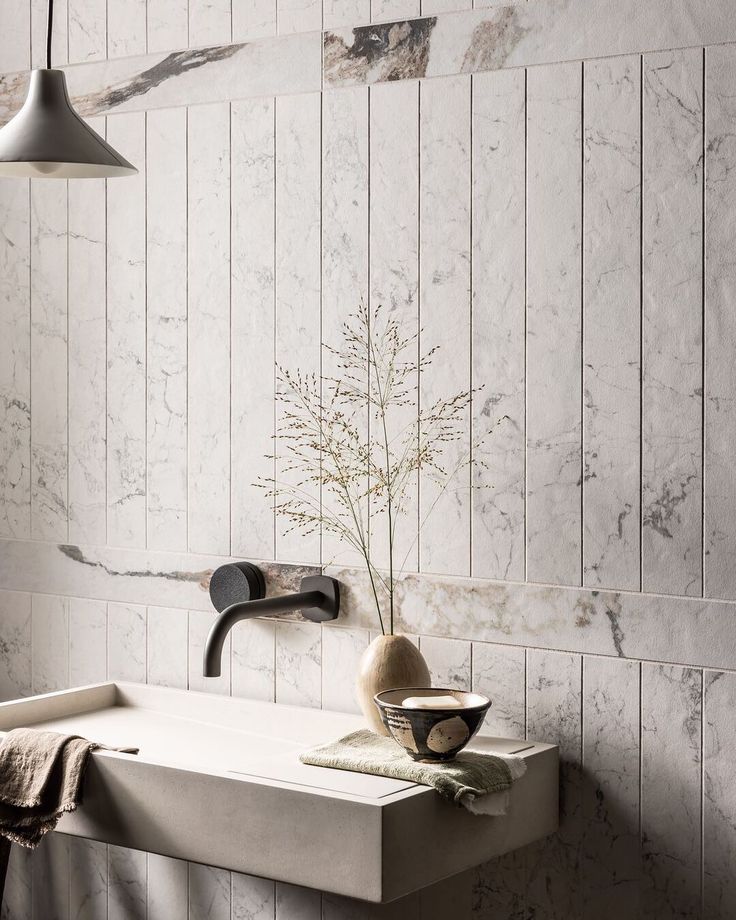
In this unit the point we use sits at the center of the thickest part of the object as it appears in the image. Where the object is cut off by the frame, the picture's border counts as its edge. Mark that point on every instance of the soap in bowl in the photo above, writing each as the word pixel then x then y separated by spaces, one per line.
pixel 431 724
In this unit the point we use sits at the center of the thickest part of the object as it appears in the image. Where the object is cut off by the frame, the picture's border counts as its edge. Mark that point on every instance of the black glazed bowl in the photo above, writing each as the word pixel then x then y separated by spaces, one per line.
pixel 431 735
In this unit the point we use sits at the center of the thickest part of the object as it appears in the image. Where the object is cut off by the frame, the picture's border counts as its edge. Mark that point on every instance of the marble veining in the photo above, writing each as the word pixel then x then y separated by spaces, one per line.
pixel 386 51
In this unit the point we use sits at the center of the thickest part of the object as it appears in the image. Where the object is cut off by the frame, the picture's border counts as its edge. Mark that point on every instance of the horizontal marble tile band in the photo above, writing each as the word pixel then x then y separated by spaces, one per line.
pixel 648 627
pixel 514 35
pixel 280 66
pixel 520 35
pixel 127 576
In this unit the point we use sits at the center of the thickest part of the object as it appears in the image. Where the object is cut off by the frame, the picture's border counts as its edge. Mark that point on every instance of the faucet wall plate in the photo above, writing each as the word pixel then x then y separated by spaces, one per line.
pixel 330 607
pixel 235 582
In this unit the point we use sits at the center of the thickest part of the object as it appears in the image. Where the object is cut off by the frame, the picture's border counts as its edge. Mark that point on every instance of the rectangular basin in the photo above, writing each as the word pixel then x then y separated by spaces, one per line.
pixel 218 781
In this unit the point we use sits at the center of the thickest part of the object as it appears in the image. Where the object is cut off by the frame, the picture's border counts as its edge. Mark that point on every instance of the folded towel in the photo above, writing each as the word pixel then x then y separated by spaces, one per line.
pixel 478 781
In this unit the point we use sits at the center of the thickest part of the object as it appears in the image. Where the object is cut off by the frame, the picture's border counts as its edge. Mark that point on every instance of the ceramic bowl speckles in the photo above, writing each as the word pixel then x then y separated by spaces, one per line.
pixel 431 735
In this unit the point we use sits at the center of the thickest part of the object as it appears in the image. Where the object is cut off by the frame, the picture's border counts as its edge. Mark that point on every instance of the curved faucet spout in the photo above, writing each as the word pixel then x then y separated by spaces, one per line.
pixel 319 600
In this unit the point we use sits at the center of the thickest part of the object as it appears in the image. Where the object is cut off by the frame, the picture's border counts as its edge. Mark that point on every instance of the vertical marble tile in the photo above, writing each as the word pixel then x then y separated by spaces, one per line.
pixel 209 327
pixel 167 896
pixel 50 884
pixel 298 664
pixel 87 25
pixel 720 329
pixel 554 324
pixel 50 642
pixel 15 645
pixel 295 903
pixel 166 330
pixel 298 232
pixel 126 29
pixel 127 888
pixel 449 661
pixel 253 660
pixel 394 268
pixel 672 371
pixel 167 26
pixel 253 19
pixel 444 230
pixel 87 641
pixel 388 10
pixel 432 7
pixel 342 650
pixel 87 359
pixel 298 16
pixel 209 893
pixel 499 321
pixel 15 359
pixel 253 291
pixel 18 886
pixel 253 898
pixel 209 22
pixel 336 13
pixel 344 282
pixel 126 338
pixel 499 887
pixel 48 360
pixel 167 641
pixel 15 41
pixel 611 305
pixel 671 790
pixel 126 643
pixel 554 714
pixel 719 796
pixel 87 879
pixel 611 860
pixel 59 38
pixel 499 672
pixel 199 625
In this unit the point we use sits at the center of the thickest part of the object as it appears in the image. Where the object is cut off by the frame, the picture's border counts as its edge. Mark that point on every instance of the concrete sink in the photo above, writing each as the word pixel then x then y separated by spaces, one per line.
pixel 218 781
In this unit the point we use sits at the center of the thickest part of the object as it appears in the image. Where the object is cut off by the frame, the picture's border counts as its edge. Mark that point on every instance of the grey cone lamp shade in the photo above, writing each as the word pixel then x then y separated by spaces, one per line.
pixel 47 139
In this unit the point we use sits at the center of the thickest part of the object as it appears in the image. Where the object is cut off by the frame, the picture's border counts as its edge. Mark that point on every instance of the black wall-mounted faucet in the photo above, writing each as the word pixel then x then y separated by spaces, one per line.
pixel 238 592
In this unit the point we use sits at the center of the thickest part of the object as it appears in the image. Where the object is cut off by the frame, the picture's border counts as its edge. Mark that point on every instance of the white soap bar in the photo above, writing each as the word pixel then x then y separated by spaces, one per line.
pixel 432 702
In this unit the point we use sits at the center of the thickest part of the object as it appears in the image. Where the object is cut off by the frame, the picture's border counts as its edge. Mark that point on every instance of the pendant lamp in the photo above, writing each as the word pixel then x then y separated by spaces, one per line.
pixel 47 139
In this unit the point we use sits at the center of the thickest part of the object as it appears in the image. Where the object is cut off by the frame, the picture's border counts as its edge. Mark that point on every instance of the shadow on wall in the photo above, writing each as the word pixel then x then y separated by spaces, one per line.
pixel 598 865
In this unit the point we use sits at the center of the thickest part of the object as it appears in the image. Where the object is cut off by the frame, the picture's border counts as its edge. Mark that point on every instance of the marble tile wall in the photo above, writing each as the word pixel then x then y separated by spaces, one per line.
pixel 543 189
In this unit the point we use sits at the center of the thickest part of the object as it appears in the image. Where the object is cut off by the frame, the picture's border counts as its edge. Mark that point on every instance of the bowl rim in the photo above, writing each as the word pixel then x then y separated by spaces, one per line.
pixel 480 707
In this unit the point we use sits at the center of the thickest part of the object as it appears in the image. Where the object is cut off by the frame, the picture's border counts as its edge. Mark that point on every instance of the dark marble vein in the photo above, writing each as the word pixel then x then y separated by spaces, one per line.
pixel 392 51
pixel 201 578
pixel 173 65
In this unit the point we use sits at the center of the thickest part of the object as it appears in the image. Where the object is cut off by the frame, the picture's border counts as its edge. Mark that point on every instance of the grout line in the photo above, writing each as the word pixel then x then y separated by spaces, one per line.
pixel 275 331
pixel 471 304
pixel 582 324
pixel 68 376
pixel 419 317
pixel 526 322
pixel 641 323
pixel 186 262
pixel 703 402
pixel 145 326
pixel 230 322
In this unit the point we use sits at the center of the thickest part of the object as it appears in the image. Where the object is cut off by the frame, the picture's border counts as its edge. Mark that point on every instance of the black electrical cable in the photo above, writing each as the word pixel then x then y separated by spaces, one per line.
pixel 48 34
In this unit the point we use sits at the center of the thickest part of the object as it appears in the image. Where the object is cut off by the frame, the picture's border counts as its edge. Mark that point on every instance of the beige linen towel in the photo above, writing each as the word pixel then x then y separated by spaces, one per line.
pixel 480 782
pixel 41 776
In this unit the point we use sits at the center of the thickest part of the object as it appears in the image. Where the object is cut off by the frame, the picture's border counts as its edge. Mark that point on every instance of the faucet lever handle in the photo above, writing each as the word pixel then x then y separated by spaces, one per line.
pixel 235 582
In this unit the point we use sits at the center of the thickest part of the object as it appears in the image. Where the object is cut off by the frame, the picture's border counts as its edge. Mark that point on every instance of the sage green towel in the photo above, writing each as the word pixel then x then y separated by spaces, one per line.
pixel 469 777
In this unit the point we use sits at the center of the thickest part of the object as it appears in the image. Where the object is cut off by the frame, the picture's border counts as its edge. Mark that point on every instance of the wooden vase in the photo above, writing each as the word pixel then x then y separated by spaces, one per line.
pixel 389 662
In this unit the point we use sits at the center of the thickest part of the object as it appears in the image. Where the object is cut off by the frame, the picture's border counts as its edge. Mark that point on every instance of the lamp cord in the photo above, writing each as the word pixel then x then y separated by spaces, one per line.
pixel 48 34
